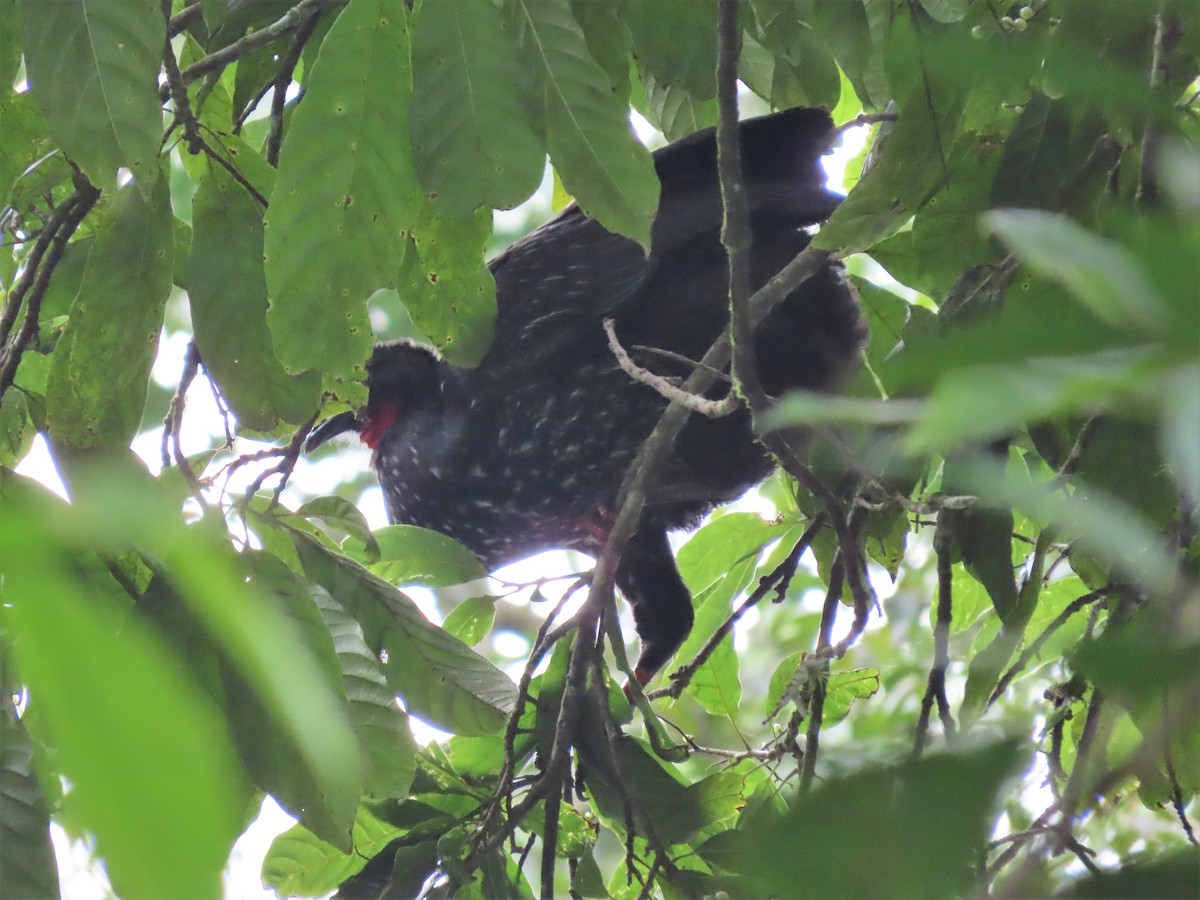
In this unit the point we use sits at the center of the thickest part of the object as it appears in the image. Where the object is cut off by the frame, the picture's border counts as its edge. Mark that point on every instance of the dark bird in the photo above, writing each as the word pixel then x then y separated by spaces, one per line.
pixel 527 451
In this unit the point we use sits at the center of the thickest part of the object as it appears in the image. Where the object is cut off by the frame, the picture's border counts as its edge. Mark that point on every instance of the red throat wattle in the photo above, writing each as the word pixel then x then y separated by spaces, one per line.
pixel 376 422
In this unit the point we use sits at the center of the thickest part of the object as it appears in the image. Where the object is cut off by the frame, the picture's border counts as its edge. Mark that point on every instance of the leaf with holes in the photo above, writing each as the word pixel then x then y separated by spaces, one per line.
pixel 345 193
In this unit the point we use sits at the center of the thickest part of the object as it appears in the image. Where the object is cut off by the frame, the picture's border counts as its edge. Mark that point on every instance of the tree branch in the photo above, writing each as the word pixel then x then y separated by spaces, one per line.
pixel 289 21
pixel 668 389
pixel 36 276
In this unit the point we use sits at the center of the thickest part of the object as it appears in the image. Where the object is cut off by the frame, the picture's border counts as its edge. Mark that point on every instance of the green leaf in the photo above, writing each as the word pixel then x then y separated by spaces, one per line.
pixel 608 40
pixel 603 166
pixel 27 867
pixel 441 679
pixel 1100 524
pixel 476 129
pixel 676 40
pixel 16 429
pixel 942 805
pixel 1101 274
pixel 843 688
pixel 727 540
pixel 1181 424
pixel 946 11
pixel 97 387
pixel 227 291
pixel 345 194
pixel 983 535
pixel 412 555
pixel 674 111
pixel 340 513
pixel 379 724
pixel 472 619
pixel 300 864
pixel 25 140
pixel 911 167
pixel 280 765
pixel 266 646
pixel 986 402
pixel 447 289
pixel 623 767
pixel 164 808
pixel 93 67
pixel 1030 168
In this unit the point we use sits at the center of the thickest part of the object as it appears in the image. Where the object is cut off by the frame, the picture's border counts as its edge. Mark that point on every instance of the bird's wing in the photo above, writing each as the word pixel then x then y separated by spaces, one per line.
pixel 556 285
pixel 559 282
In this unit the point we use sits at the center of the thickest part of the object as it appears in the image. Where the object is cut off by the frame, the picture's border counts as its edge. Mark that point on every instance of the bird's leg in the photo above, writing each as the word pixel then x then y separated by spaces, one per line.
pixel 662 604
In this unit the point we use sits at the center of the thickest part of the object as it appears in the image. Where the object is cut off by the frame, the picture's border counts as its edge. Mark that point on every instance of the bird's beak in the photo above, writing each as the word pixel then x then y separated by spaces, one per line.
pixel 331 428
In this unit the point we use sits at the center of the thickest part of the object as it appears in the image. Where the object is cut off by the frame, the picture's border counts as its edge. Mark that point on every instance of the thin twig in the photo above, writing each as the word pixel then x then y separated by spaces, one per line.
pixel 735 226
pixel 1178 803
pixel 780 576
pixel 1167 33
pixel 819 677
pixel 667 388
pixel 173 425
pixel 289 21
pixel 284 467
pixel 1035 647
pixel 178 91
pixel 36 277
pixel 935 688
pixel 283 80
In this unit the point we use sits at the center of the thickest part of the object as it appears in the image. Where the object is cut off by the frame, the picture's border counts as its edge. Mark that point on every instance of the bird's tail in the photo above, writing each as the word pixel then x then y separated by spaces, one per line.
pixel 781 170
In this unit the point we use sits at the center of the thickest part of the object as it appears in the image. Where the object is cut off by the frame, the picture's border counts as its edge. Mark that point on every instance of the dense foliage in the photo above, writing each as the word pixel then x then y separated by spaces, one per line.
pixel 979 670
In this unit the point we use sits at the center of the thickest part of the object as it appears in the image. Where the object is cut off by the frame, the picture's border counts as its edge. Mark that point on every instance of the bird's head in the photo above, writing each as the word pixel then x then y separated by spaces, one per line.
pixel 402 378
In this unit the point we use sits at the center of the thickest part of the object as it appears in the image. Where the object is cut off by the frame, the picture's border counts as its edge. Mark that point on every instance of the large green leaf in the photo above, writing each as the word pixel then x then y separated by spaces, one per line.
pixel 603 166
pixel 924 823
pixel 912 166
pixel 301 864
pixel 476 122
pixel 345 194
pixel 156 780
pixel 1104 276
pixel 23 136
pixel 412 555
pixel 97 388
pixel 279 765
pixel 228 294
pixel 677 41
pixel 440 678
pixel 272 651
pixel 93 66
pixel 379 724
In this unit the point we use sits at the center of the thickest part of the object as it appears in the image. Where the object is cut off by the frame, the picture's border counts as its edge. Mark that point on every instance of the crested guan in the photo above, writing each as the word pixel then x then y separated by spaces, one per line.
pixel 526 452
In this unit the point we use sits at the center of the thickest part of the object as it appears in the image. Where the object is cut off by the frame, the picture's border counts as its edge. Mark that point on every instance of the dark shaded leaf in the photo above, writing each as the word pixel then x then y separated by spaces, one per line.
pixel 227 290
pixel 476 122
pixel 27 867
pixel 97 387
pixel 93 68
